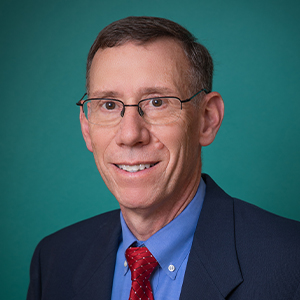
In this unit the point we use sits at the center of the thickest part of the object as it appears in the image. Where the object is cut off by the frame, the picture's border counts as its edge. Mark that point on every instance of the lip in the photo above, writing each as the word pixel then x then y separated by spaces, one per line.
pixel 135 168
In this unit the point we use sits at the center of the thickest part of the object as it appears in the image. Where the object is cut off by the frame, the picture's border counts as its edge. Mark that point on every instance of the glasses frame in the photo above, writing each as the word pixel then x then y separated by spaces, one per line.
pixel 140 111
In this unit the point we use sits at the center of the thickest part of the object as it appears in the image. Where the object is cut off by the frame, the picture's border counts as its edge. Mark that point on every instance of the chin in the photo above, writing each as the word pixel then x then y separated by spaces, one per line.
pixel 136 199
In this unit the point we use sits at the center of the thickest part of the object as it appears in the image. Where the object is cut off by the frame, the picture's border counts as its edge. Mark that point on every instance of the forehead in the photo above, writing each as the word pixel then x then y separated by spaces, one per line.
pixel 160 63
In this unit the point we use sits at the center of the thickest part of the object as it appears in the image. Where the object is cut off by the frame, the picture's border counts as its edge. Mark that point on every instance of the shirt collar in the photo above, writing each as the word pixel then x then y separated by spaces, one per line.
pixel 171 244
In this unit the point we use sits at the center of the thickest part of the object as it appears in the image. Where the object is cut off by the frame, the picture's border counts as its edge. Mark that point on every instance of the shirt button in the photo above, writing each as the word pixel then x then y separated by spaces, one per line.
pixel 125 263
pixel 171 268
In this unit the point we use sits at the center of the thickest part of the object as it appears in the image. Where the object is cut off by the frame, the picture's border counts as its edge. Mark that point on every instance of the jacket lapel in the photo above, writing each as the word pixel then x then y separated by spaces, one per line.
pixel 213 269
pixel 94 277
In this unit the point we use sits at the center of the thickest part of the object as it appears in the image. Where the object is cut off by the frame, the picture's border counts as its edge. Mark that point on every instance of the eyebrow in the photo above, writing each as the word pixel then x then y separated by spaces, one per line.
pixel 143 91
pixel 103 94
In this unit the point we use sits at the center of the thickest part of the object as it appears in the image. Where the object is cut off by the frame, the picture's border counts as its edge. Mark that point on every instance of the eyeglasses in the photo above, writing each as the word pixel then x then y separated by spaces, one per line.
pixel 157 110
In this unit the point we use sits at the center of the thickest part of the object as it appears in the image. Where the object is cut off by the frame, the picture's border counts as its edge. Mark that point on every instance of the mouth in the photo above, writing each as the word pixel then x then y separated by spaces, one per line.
pixel 135 168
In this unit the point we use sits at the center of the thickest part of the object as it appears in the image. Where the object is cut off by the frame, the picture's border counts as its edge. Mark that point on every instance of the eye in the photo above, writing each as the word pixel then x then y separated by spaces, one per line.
pixel 109 105
pixel 156 102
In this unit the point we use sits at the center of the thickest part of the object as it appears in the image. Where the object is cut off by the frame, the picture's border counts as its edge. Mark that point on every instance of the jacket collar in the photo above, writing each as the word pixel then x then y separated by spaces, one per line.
pixel 94 276
pixel 213 269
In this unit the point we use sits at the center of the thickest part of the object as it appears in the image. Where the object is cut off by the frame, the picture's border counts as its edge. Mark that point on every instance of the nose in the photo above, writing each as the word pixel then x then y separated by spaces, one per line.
pixel 133 130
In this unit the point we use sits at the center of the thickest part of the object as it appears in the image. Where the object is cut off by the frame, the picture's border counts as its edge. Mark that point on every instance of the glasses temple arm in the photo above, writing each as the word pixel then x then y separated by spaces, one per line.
pixel 79 102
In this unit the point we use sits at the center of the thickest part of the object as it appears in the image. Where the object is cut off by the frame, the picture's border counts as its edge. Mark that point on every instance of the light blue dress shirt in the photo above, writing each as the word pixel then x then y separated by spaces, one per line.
pixel 170 246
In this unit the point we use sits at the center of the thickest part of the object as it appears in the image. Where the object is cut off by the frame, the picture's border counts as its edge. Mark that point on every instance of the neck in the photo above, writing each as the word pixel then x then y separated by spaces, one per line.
pixel 143 223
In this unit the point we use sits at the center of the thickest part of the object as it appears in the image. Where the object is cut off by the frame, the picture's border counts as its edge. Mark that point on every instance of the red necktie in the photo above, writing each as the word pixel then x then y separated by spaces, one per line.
pixel 141 263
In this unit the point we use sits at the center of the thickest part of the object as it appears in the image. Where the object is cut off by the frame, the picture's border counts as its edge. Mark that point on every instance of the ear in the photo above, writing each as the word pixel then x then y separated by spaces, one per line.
pixel 85 130
pixel 212 112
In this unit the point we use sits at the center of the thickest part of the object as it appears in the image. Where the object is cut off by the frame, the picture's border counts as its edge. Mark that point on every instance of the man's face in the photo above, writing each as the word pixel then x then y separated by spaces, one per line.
pixel 130 73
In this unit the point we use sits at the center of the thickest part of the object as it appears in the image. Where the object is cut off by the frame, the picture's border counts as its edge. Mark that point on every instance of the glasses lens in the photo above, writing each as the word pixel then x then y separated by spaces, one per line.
pixel 162 110
pixel 103 111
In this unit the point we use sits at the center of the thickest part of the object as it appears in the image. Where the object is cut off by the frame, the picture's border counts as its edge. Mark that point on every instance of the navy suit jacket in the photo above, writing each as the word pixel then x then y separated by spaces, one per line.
pixel 239 251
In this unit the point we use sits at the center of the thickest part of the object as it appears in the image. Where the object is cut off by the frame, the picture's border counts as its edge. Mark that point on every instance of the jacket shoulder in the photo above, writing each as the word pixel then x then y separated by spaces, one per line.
pixel 83 231
pixel 58 257
pixel 261 223
pixel 265 246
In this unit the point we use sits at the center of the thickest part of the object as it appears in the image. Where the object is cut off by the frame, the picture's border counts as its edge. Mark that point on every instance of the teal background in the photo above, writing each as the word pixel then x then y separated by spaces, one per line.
pixel 48 178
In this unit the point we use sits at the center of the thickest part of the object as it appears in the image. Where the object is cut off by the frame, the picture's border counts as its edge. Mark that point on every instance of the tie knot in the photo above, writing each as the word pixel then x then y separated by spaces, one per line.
pixel 141 263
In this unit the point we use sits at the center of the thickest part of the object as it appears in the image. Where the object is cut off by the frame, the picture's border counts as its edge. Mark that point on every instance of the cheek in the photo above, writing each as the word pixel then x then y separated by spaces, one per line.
pixel 175 142
pixel 188 135
pixel 100 145
pixel 100 140
pixel 193 124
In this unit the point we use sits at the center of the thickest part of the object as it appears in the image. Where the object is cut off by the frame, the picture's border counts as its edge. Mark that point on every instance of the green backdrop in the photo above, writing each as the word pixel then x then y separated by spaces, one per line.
pixel 49 179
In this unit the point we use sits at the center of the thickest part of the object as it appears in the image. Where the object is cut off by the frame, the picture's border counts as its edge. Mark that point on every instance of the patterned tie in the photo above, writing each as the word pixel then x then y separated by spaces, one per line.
pixel 141 263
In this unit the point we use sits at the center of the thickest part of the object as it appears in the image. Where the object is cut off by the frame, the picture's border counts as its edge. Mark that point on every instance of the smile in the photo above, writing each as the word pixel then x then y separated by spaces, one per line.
pixel 135 168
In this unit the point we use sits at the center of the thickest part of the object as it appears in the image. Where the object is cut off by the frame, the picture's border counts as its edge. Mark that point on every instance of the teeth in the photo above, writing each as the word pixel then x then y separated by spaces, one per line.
pixel 135 168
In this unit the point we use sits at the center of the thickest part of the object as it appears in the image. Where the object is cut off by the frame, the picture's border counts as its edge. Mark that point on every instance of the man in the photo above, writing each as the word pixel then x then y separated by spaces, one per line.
pixel 148 113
